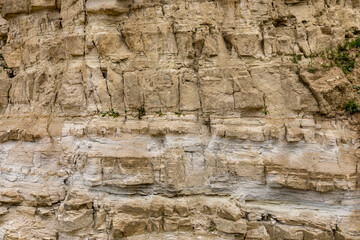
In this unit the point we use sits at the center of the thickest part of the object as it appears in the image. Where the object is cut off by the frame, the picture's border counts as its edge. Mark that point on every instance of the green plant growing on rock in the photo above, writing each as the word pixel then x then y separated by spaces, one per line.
pixel 159 113
pixel 178 113
pixel 322 54
pixel 296 58
pixel 311 68
pixel 265 111
pixel 344 60
pixel 212 229
pixel 326 67
pixel 342 48
pixel 330 54
pixel 355 43
pixel 141 112
pixel 343 57
pixel 357 88
pixel 352 106
pixel 110 113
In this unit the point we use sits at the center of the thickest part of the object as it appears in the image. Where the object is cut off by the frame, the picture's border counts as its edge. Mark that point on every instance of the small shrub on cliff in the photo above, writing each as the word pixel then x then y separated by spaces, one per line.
pixel 311 68
pixel 212 229
pixel 296 58
pixel 345 61
pixel 159 113
pixel 352 106
pixel 357 88
pixel 342 48
pixel 344 57
pixel 355 43
pixel 110 113
pixel 141 112
pixel 178 113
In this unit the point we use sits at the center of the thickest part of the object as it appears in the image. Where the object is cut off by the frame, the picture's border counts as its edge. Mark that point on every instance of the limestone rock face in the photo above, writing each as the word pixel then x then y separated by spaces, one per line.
pixel 158 119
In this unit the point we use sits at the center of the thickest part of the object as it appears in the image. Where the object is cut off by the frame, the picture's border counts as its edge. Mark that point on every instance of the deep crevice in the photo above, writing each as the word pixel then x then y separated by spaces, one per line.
pixel 228 43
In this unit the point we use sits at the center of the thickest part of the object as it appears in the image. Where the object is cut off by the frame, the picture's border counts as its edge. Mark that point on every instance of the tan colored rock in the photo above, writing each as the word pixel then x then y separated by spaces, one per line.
pixel 257 232
pixel 75 220
pixel 112 46
pixel 205 161
pixel 230 211
pixel 4 91
pixel 154 225
pixel 294 134
pixel 171 224
pixel 156 207
pixel 182 208
pixel 75 45
pixel 12 56
pixel 10 196
pixel 17 135
pixel 135 209
pixel 173 169
pixel 226 226
pixel 11 7
pixel 185 225
pixel 111 7
pixel 285 232
pixel 127 171
pixel 316 234
pixel 42 4
pixel 124 226
pixel 247 43
pixel 331 91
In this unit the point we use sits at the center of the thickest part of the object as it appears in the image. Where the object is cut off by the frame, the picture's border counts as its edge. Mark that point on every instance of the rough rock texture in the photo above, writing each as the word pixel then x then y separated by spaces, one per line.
pixel 205 162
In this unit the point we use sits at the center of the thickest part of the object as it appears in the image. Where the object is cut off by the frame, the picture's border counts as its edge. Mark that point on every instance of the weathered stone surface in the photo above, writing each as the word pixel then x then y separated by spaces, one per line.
pixel 229 211
pixel 151 119
pixel 256 231
pixel 14 7
pixel 127 171
pixel 331 91
pixel 238 227
pixel 42 4
pixel 124 226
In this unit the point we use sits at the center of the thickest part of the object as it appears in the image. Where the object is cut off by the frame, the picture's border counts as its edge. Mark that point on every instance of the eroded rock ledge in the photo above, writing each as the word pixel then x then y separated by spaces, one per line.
pixel 204 162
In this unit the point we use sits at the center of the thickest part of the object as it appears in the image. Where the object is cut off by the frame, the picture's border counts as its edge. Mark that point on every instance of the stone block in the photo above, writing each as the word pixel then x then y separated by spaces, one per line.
pixel 36 5
pixel 231 227
pixel 123 172
pixel 14 7
pixel 124 226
